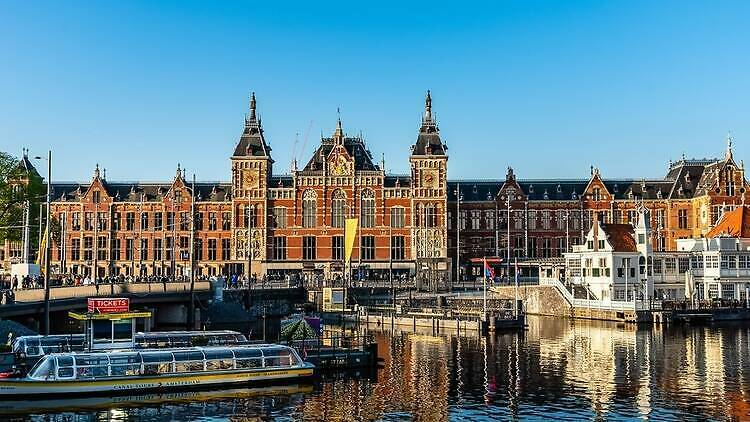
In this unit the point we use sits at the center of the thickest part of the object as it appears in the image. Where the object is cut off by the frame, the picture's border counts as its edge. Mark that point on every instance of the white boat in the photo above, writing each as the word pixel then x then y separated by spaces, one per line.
pixel 121 372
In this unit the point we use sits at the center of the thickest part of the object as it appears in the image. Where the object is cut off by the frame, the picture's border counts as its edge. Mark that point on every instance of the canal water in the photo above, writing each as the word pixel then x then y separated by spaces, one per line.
pixel 557 370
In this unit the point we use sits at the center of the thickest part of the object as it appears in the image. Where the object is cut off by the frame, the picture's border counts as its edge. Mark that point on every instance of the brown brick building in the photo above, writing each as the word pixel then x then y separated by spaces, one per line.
pixel 276 224
pixel 294 222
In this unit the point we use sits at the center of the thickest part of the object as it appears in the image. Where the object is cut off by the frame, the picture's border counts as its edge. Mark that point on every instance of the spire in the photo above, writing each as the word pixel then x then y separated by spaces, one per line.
pixel 338 134
pixel 728 154
pixel 96 171
pixel 252 106
pixel 179 171
pixel 428 119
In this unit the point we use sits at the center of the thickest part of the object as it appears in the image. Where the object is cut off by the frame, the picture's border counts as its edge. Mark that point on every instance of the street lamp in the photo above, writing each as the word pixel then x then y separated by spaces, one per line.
pixel 459 198
pixel 46 244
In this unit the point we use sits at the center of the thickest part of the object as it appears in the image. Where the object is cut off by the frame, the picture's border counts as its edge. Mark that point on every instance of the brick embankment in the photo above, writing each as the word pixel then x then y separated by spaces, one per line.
pixel 538 300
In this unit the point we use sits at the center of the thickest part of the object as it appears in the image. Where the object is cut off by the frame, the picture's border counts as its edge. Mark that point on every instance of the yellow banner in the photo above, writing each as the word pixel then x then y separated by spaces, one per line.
pixel 41 255
pixel 350 233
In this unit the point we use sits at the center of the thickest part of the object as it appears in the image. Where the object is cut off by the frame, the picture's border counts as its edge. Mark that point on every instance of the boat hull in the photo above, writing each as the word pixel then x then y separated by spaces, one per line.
pixel 167 382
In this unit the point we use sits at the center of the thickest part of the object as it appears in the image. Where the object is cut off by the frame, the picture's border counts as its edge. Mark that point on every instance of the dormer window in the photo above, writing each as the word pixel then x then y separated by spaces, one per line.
pixel 474 189
pixel 559 188
pixel 596 194
pixel 616 188
pixel 546 195
pixel 531 188
pixel 574 196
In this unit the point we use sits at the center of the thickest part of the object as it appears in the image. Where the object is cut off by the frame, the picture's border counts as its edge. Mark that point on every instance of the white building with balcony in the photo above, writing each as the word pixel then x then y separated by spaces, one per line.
pixel 615 262
pixel 720 262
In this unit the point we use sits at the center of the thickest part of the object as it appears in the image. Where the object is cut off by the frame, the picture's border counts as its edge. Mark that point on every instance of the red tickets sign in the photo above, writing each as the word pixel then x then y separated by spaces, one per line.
pixel 109 305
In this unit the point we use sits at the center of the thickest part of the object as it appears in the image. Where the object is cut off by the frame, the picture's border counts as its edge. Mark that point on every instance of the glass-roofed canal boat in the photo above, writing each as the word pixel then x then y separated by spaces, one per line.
pixel 120 372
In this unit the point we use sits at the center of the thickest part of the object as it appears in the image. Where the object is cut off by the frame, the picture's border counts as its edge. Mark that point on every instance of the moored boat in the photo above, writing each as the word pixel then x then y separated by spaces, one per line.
pixel 121 372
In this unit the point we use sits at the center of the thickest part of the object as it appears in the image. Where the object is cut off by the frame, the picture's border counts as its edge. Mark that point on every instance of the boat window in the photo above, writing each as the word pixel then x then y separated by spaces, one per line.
pixel 123 358
pixel 276 351
pixel 65 361
pixel 219 364
pixel 188 355
pixel 157 357
pixel 218 353
pixel 189 366
pixel 91 360
pixel 65 372
pixel 246 352
pixel 44 369
pixel 249 363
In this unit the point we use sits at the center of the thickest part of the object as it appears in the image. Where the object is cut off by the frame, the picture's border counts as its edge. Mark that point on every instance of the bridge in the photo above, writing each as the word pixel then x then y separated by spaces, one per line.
pixel 168 301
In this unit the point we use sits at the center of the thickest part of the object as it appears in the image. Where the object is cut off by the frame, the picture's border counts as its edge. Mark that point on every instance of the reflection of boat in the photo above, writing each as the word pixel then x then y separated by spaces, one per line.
pixel 23 405
pixel 157 370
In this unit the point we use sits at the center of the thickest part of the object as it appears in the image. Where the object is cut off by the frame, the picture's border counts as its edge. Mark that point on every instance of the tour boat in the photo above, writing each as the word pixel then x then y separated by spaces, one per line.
pixel 122 372
pixel 35 346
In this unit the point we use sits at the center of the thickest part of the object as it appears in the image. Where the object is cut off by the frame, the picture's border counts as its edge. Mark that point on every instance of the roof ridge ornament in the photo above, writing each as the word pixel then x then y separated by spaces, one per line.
pixel 728 154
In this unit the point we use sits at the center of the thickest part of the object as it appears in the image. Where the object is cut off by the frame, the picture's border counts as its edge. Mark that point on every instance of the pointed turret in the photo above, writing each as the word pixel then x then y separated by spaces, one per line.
pixel 728 155
pixel 428 141
pixel 252 142
pixel 96 171
pixel 338 134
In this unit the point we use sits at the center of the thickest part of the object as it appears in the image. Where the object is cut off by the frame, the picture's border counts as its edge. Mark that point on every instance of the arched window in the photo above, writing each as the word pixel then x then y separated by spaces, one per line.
pixel 367 209
pixel 338 209
pixel 309 208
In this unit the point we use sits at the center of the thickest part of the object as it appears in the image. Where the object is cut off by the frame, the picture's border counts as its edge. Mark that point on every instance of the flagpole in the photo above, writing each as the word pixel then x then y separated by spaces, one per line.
pixel 484 290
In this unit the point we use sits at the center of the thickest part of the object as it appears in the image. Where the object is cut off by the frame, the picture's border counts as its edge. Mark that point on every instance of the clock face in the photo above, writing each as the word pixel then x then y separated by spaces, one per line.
pixel 250 177
pixel 429 178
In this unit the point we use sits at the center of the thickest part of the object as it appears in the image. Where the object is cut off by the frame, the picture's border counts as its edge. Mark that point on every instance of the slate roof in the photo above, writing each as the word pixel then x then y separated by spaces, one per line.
pixel 137 191
pixel 428 140
pixel 355 147
pixel 252 143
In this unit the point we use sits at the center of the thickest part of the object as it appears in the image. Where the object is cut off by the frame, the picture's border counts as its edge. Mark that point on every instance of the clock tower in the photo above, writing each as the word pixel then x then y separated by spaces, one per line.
pixel 251 171
pixel 429 175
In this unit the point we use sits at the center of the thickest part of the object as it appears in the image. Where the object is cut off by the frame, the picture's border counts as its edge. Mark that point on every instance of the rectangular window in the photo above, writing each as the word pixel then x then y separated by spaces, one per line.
pixel 158 249
pixel 128 249
pixel 279 248
pixel 130 221
pixel 158 222
pixel 684 264
pixel 199 248
pixel 546 220
pixel 101 250
pixel 144 221
pixel 279 217
pixel 75 253
pixel 225 220
pixel 184 248
pixel 102 220
pixel 682 219
pixel 368 212
pixel 144 249
pixel 198 221
pixel 531 220
pixel 212 221
pixel 532 247
pixel 116 249
pixel 226 251
pixel 546 247
pixel 475 216
pixel 184 221
pixel 309 248
pixel 397 248
pixel 398 218
pixel 75 221
pixel 170 243
pixel 212 249
pixel 368 247
pixel 89 221
pixel 489 219
pixel 337 248
pixel 170 221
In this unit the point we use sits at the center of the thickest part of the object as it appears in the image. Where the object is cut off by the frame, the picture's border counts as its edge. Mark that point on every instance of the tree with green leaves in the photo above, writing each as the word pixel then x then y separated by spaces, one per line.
pixel 19 183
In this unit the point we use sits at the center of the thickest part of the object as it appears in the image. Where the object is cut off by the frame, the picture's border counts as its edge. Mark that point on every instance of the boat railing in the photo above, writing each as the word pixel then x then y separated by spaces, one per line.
pixel 87 366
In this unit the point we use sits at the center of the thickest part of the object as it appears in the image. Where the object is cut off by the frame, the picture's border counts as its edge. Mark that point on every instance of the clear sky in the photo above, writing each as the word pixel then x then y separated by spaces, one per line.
pixel 549 88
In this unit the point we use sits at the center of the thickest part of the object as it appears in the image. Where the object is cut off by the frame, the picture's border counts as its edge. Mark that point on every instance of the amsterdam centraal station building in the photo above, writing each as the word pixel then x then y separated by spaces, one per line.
pixel 278 224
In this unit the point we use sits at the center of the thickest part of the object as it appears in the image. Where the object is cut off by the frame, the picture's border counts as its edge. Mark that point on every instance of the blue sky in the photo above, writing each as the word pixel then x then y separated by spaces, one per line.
pixel 549 88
